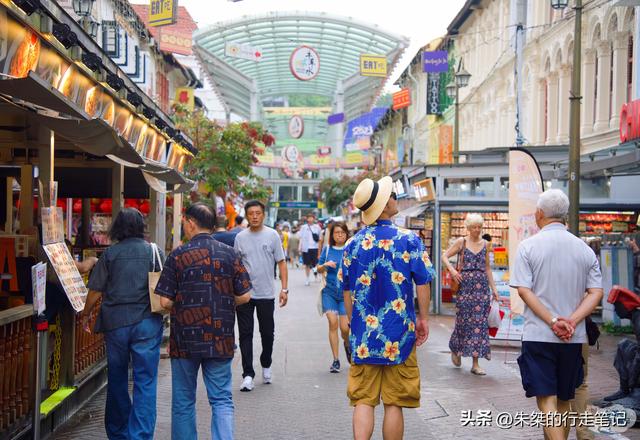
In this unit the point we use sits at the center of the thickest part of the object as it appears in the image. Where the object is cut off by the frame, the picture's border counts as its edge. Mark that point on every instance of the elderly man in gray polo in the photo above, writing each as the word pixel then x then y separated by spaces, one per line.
pixel 552 271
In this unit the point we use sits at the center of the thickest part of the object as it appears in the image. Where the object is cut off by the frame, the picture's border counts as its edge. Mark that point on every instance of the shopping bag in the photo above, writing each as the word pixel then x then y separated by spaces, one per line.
pixel 154 299
pixel 323 284
pixel 494 315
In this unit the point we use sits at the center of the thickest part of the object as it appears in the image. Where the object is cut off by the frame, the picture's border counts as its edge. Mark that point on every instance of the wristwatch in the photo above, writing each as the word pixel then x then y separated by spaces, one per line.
pixel 285 291
pixel 553 322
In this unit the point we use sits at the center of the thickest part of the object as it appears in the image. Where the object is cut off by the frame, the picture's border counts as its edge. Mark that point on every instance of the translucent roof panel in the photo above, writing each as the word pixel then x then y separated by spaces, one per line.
pixel 339 42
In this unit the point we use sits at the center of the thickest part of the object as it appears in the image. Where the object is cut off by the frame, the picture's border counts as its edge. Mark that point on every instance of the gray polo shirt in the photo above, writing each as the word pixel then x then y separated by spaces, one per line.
pixel 558 267
pixel 260 251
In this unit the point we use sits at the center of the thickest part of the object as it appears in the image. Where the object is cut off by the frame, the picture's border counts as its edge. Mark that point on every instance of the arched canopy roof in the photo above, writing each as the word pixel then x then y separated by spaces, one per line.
pixel 339 42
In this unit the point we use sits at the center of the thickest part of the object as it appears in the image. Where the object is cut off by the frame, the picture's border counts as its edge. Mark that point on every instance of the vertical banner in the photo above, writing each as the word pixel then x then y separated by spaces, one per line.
pixel 446 144
pixel 433 94
pixel 525 185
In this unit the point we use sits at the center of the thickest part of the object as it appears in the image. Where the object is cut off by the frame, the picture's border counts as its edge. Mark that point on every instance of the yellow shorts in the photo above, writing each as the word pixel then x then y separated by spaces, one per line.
pixel 399 385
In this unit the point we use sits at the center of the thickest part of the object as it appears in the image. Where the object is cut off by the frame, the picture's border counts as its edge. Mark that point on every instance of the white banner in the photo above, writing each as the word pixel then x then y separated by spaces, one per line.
pixel 244 51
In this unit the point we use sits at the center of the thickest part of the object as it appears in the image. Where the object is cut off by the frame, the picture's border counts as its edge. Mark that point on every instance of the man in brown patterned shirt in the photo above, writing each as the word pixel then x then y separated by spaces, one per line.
pixel 202 282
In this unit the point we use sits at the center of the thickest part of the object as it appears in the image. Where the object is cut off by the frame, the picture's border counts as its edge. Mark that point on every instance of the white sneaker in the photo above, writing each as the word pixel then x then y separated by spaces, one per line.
pixel 247 384
pixel 307 283
pixel 267 377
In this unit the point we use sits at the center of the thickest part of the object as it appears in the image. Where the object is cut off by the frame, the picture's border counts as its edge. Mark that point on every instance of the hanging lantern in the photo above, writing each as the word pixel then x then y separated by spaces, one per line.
pixel 106 206
pixel 77 207
pixel 145 207
pixel 62 203
pixel 131 203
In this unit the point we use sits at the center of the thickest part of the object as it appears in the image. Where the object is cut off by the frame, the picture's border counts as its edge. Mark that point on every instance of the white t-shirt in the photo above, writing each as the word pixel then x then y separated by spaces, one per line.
pixel 260 251
pixel 558 267
pixel 306 237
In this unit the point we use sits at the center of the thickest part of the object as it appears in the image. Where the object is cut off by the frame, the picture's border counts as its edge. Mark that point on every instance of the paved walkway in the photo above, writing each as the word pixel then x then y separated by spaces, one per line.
pixel 307 402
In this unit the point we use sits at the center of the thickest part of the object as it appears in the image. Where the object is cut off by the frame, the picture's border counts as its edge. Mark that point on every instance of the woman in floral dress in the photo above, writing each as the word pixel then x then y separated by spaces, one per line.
pixel 470 336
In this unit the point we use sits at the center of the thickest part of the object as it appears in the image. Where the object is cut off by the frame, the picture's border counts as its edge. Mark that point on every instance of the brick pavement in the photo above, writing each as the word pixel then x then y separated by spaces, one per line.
pixel 307 402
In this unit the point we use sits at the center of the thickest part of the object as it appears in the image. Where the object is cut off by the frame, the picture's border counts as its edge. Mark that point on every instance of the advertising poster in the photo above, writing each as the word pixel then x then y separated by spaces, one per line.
pixel 525 185
pixel 39 284
pixel 359 130
pixel 445 151
pixel 68 274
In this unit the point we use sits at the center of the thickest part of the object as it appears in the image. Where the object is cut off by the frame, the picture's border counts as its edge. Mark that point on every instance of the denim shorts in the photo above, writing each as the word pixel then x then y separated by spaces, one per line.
pixel 330 303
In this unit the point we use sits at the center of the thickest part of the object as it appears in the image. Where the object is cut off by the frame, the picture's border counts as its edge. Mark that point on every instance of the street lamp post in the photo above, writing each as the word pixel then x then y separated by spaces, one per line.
pixel 574 117
pixel 461 79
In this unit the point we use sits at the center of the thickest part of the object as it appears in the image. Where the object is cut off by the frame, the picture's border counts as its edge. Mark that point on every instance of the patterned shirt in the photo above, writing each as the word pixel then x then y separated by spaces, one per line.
pixel 203 277
pixel 379 266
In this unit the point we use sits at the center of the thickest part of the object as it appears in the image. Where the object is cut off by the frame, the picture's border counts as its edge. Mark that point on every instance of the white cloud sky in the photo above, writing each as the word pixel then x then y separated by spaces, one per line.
pixel 420 20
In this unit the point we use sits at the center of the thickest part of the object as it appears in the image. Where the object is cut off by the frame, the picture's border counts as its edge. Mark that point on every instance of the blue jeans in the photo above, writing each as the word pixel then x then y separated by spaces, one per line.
pixel 217 379
pixel 141 343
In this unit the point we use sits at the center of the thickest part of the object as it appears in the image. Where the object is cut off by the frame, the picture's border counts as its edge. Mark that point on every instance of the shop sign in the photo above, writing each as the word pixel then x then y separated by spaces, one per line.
pixel 304 63
pixel 294 205
pixel 435 62
pixel 373 65
pixel 70 279
pixel 401 99
pixel 163 12
pixel 174 41
pixel 630 121
pixel 336 118
pixel 424 190
pixel 243 51
pixel 359 130
pixel 185 97
pixel 433 94
pixel 445 150
pixel 296 127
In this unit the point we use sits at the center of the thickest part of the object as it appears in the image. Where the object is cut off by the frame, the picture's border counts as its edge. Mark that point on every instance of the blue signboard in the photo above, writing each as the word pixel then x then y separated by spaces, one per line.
pixel 336 118
pixel 294 205
pixel 435 62
pixel 360 129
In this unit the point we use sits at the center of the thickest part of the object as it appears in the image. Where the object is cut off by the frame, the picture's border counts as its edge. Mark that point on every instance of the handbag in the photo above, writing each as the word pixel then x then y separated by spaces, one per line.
pixel 154 299
pixel 455 284
pixel 494 315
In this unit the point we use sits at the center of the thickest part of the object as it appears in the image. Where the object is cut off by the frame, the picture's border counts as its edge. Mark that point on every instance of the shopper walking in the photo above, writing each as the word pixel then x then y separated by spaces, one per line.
pixel 201 283
pixel 132 333
pixel 309 238
pixel 293 248
pixel 470 336
pixel 332 297
pixel 380 265
pixel 261 249
pixel 552 271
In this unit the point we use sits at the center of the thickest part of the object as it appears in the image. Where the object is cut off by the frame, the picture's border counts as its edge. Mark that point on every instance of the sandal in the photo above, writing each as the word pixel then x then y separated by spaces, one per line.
pixel 455 359
pixel 478 371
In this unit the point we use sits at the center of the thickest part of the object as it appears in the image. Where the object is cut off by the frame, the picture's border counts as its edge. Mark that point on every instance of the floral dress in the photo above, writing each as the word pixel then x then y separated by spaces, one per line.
pixel 470 336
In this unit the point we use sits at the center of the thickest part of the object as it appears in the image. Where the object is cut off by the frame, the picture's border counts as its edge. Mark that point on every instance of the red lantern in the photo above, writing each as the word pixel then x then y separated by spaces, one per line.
pixel 35 203
pixel 77 207
pixel 106 206
pixel 145 207
pixel 62 203
pixel 131 203
pixel 18 204
pixel 169 201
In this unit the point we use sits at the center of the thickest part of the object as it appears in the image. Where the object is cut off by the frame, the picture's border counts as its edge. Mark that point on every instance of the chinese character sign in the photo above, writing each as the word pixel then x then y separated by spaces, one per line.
pixel 39 283
pixel 304 63
pixel 68 274
pixel 401 99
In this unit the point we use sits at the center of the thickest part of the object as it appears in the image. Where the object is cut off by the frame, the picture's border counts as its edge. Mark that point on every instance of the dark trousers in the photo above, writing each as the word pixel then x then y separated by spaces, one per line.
pixel 264 309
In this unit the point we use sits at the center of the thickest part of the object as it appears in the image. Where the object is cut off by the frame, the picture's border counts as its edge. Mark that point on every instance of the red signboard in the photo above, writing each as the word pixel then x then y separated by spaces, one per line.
pixel 175 38
pixel 401 99
pixel 630 121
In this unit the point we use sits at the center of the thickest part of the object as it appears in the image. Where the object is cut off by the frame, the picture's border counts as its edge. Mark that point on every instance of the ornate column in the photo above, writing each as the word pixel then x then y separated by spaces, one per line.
pixel 620 49
pixel 563 105
pixel 552 109
pixel 537 131
pixel 604 76
pixel 588 92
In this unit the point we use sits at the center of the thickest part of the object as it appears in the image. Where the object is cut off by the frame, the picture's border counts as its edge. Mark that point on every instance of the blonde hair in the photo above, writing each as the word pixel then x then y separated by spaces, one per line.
pixel 473 219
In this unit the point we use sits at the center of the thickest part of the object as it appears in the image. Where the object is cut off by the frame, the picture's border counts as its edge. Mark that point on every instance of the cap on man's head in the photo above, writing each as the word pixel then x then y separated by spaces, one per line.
pixel 371 198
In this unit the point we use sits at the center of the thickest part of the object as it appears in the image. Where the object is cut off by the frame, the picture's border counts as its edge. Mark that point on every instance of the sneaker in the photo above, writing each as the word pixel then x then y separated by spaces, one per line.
pixel 247 384
pixel 306 283
pixel 267 377
pixel 335 367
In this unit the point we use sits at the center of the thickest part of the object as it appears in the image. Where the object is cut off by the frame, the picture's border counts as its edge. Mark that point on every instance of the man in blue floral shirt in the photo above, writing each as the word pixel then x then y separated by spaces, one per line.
pixel 380 265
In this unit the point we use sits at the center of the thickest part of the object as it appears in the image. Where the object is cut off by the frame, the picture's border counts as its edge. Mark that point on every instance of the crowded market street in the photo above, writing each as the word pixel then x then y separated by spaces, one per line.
pixel 305 401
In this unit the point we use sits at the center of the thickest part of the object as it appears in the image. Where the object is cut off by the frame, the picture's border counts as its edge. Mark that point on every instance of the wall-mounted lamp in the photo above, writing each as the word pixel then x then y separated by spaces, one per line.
pixel 114 81
pixel 83 7
pixel 134 99
pixel 148 113
pixel 92 61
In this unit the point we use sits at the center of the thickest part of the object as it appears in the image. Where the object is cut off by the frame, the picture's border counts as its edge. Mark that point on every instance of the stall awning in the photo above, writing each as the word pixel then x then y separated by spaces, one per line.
pixel 36 91
pixel 415 211
pixel 95 137
pixel 163 173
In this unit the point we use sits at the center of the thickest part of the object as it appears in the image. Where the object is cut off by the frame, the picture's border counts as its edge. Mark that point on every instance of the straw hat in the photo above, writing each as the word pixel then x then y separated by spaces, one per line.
pixel 371 198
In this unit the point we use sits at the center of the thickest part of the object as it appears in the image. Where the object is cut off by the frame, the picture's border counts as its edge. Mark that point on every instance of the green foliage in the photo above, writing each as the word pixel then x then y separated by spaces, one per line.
pixel 617 330
pixel 302 100
pixel 225 154
pixel 337 191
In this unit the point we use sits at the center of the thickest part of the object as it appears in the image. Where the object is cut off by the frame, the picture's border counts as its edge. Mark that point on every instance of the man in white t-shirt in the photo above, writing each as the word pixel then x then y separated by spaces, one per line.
pixel 309 238
pixel 552 271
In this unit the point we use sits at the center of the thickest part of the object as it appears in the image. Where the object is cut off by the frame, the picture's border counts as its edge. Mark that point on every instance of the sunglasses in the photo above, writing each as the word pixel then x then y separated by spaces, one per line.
pixel 394 196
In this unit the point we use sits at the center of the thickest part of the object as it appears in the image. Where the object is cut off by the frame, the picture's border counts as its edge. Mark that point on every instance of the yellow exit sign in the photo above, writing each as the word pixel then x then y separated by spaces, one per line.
pixel 373 65
pixel 163 12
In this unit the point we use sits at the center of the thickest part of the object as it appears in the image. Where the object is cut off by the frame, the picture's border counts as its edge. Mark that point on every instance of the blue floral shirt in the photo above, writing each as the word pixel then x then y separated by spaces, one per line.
pixel 379 266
